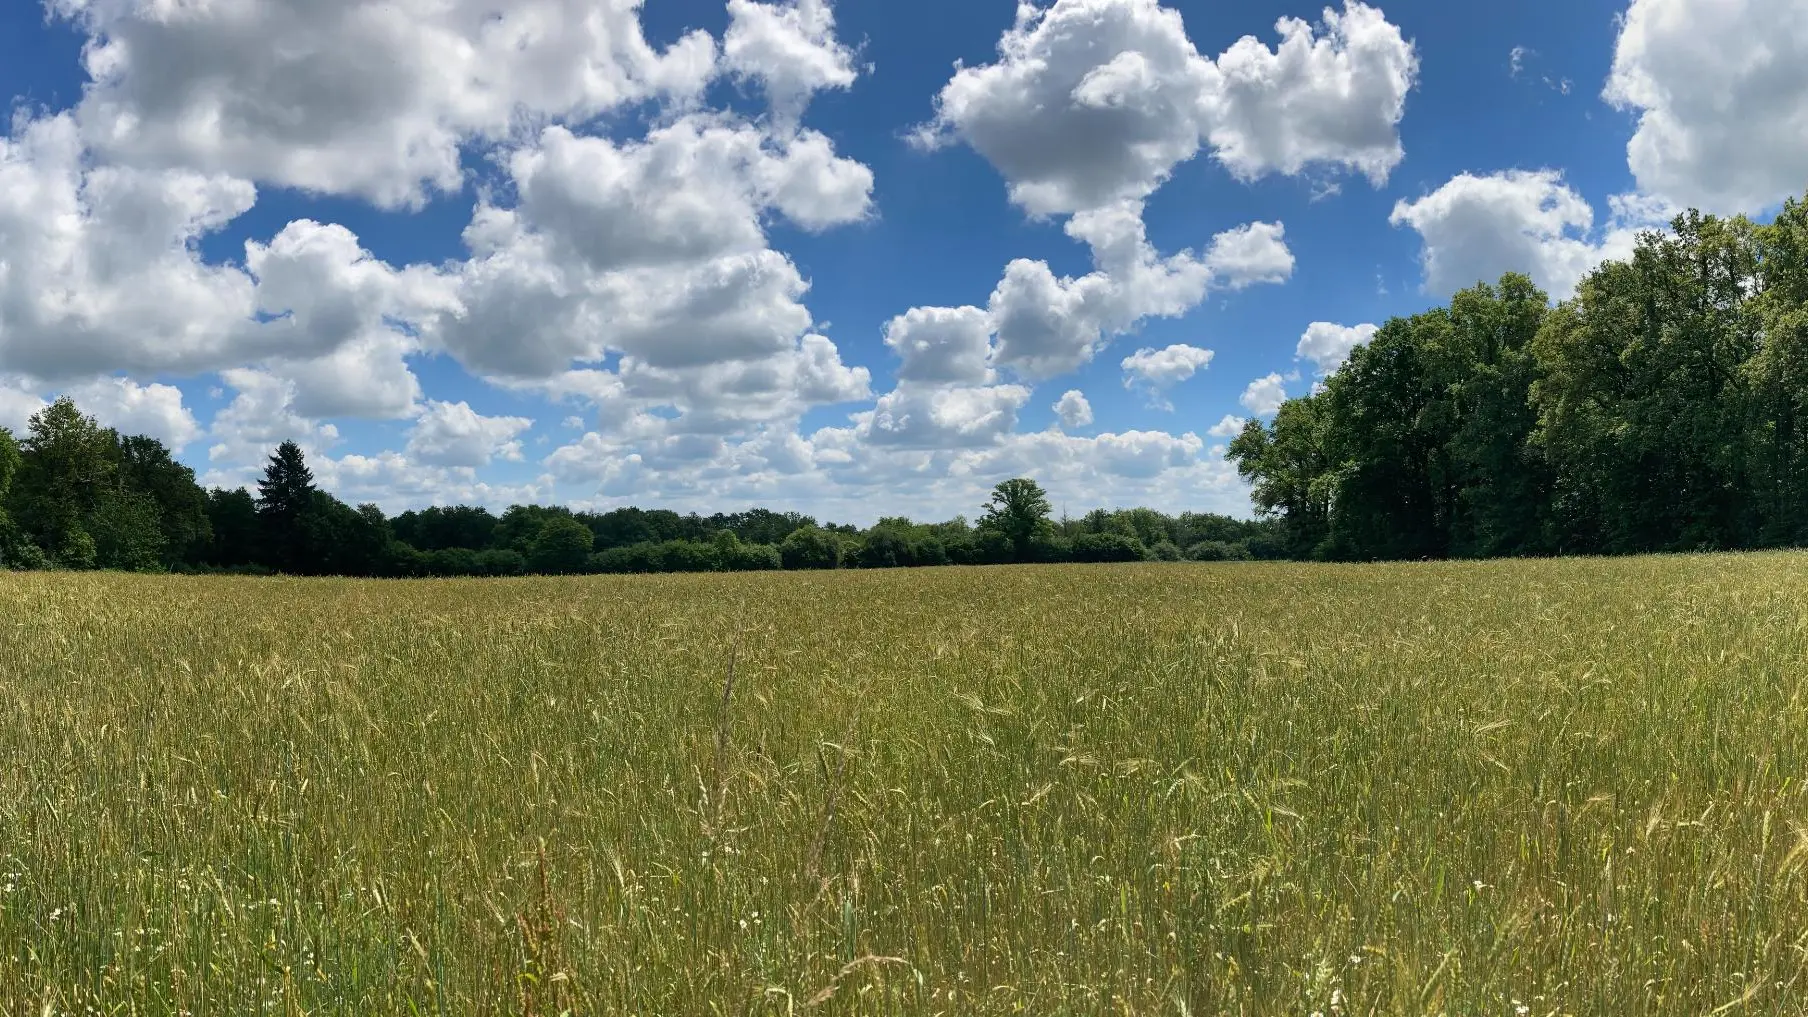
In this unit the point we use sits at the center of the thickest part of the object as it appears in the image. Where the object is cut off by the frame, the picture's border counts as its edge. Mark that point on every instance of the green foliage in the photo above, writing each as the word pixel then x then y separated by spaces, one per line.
pixel 1218 550
pixel 1108 547
pixel 500 562
pixel 561 547
pixel 127 534
pixel 77 551
pixel 1662 408
pixel 1290 472
pixel 68 465
pixel 237 536
pixel 12 541
pixel 178 504
pixel 285 499
pixel 810 548
pixel 439 528
pixel 1019 511
pixel 10 459
pixel 520 527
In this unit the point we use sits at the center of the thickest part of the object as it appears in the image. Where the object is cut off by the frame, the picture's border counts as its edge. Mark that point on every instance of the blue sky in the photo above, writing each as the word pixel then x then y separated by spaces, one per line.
pixel 598 253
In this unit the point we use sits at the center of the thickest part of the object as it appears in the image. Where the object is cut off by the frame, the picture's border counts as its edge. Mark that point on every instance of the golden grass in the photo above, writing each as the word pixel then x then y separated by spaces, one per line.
pixel 1520 788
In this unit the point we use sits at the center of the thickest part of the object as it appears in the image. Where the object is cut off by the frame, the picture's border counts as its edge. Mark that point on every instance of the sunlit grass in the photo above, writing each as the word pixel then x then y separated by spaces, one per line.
pixel 1541 788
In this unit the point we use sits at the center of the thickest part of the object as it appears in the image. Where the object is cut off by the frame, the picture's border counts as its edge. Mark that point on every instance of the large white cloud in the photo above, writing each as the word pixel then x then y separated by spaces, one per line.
pixel 99 268
pixel 102 275
pixel 18 403
pixel 453 434
pixel 1721 92
pixel 130 408
pixel 1072 410
pixel 1093 102
pixel 260 416
pixel 1476 228
pixel 942 344
pixel 1334 98
pixel 789 48
pixel 835 473
pixel 1328 345
pixel 624 265
pixel 937 418
pixel 1158 370
pixel 1264 396
pixel 656 251
pixel 1047 326
pixel 367 97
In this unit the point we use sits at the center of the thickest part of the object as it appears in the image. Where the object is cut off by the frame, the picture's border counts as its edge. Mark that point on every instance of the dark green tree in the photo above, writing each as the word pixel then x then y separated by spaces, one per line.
pixel 1019 511
pixel 237 535
pixel 127 532
pixel 68 466
pixel 13 545
pixel 146 468
pixel 810 548
pixel 562 547
pixel 285 498
pixel 1289 470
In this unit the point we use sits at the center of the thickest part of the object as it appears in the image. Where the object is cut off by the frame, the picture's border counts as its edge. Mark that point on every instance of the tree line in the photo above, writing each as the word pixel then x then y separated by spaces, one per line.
pixel 76 495
pixel 1663 408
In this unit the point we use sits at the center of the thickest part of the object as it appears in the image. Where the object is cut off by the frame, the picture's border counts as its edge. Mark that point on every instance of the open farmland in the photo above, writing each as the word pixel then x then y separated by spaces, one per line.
pixel 1566 787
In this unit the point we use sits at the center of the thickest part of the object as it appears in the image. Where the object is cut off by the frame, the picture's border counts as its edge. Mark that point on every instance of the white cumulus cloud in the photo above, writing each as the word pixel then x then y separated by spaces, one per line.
pixel 1476 228
pixel 364 97
pixel 1328 345
pixel 1093 102
pixel 130 408
pixel 1720 88
pixel 1072 410
pixel 1158 370
pixel 453 434
pixel 1264 396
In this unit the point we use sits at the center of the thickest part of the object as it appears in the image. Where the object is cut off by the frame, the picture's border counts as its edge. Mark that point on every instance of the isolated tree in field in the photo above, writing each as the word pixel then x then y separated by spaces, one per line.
pixel 562 547
pixel 285 497
pixel 1019 510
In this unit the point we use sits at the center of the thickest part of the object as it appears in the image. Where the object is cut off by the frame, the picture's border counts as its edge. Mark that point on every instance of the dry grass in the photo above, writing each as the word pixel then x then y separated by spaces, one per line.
pixel 1538 788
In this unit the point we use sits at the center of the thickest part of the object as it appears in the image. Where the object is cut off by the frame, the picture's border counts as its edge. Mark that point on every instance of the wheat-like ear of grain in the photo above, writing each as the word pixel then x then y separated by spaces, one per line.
pixel 1517 788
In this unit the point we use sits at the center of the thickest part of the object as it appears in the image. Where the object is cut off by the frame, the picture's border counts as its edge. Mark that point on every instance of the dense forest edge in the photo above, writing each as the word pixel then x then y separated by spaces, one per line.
pixel 76 495
pixel 1662 408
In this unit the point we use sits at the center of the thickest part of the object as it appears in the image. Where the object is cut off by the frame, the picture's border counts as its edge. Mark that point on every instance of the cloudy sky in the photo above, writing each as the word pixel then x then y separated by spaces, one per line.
pixel 856 259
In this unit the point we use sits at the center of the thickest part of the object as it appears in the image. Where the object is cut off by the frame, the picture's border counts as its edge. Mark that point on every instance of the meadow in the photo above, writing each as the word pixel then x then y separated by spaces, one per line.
pixel 1520 788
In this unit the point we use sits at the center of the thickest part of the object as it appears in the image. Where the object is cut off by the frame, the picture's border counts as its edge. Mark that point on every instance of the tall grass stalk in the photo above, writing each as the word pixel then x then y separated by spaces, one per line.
pixel 1526 788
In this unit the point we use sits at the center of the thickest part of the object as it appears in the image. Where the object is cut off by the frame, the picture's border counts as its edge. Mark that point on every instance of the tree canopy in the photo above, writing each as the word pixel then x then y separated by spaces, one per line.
pixel 1659 409
pixel 96 499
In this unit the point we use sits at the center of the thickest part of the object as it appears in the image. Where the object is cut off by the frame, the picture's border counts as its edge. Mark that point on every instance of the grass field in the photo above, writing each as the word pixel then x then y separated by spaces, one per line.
pixel 1523 788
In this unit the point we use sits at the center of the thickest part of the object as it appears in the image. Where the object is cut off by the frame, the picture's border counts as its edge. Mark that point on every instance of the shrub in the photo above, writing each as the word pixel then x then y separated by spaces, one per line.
pixel 753 558
pixel 452 561
pixel 1165 550
pixel 1217 550
pixel 561 547
pixel 810 548
pixel 929 551
pixel 686 556
pixel 883 549
pixel 501 562
pixel 1107 547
